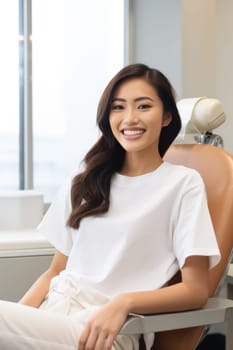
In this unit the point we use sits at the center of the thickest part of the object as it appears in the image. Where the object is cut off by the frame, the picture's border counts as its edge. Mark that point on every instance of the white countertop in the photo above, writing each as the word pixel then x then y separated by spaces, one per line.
pixel 23 242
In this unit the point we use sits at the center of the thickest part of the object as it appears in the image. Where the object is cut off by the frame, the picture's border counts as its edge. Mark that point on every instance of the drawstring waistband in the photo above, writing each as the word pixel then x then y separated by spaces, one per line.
pixel 72 287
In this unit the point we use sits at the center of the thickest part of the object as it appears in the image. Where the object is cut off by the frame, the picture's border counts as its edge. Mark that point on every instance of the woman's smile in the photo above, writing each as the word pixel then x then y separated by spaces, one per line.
pixel 132 133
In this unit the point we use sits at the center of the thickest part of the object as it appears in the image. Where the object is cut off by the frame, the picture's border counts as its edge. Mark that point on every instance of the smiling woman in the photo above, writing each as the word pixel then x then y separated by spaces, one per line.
pixel 122 227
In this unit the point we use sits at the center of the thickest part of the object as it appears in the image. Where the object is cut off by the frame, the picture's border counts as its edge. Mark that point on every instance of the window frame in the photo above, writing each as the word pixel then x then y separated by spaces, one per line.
pixel 25 96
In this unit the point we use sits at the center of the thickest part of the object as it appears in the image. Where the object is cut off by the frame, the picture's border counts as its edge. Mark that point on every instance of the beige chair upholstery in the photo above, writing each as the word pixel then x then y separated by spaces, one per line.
pixel 182 331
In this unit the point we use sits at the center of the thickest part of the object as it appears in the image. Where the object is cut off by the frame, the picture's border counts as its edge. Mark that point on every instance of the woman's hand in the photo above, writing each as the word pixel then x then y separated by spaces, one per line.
pixel 104 326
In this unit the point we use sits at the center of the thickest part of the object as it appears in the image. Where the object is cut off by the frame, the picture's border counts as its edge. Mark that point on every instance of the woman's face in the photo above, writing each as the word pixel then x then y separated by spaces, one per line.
pixel 136 116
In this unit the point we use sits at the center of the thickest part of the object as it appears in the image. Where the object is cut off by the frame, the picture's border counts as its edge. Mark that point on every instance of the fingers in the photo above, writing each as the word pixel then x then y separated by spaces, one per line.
pixel 100 341
pixel 109 341
pixel 94 339
pixel 83 339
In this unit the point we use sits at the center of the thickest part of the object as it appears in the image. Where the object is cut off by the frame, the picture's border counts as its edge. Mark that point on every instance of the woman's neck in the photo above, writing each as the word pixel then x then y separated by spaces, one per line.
pixel 134 166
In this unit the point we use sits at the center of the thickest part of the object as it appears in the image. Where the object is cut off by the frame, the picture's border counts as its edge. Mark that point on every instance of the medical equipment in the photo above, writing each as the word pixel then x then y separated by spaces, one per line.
pixel 200 116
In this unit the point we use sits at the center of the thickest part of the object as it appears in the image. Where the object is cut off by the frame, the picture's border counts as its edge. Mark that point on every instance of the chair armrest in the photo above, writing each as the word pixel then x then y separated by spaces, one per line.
pixel 216 310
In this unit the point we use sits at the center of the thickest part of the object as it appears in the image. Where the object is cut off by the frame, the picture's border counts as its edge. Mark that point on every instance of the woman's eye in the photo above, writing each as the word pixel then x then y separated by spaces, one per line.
pixel 144 106
pixel 117 107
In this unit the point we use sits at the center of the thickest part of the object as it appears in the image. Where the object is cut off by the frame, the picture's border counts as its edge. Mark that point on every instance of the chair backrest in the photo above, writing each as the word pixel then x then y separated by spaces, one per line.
pixel 216 168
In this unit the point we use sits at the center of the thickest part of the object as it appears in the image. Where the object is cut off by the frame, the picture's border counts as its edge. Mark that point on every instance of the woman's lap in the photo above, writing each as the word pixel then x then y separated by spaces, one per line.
pixel 57 325
pixel 23 327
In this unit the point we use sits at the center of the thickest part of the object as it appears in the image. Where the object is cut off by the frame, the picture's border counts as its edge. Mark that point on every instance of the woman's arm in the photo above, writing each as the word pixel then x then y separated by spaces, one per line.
pixel 38 291
pixel 191 293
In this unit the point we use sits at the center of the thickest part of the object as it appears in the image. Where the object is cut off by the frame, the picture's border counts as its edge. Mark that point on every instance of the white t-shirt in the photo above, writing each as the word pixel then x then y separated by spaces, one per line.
pixel 154 222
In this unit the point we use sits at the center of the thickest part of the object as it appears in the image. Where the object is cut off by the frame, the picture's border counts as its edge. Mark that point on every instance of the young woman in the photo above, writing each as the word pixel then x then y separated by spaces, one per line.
pixel 122 228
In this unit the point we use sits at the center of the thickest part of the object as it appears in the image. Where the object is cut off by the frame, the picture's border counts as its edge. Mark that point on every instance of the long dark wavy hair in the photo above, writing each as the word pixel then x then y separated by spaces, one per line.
pixel 90 189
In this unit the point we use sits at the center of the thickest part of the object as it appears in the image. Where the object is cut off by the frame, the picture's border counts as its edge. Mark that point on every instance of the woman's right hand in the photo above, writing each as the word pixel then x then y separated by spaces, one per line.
pixel 103 327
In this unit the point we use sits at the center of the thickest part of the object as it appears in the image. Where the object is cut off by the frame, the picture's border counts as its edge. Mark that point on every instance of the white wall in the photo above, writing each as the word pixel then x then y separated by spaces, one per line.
pixel 198 48
pixel 157 36
pixel 190 41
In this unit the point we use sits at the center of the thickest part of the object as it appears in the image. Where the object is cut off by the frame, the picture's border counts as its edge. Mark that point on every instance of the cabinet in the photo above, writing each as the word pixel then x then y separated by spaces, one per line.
pixel 24 255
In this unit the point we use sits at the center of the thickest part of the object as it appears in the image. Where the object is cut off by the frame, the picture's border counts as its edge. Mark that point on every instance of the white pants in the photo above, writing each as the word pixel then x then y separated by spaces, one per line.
pixel 58 323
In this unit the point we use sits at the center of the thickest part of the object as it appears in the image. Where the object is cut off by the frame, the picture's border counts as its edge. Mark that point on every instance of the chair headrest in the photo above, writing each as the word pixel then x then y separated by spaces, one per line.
pixel 200 114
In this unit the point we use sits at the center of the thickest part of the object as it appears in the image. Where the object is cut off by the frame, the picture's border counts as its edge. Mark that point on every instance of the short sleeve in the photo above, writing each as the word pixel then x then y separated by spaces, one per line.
pixel 194 233
pixel 54 223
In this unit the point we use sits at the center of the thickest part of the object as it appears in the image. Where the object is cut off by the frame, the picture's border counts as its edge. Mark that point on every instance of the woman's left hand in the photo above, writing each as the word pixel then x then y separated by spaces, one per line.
pixel 104 326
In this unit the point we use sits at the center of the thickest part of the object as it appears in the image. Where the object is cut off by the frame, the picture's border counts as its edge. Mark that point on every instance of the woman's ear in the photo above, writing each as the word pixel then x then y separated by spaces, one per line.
pixel 167 118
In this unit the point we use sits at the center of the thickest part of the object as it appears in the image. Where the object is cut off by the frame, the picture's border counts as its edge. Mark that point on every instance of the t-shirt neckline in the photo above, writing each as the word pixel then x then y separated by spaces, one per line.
pixel 128 180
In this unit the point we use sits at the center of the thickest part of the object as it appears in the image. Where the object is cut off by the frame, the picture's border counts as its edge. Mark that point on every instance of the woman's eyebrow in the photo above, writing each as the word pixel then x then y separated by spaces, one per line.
pixel 135 100
pixel 143 98
pixel 118 99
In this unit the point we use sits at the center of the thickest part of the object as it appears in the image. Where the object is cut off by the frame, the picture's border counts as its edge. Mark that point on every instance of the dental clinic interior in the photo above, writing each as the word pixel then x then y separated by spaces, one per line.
pixel 56 60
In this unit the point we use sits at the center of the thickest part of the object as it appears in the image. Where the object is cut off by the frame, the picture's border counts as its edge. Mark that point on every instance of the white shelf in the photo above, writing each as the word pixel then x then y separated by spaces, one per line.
pixel 24 243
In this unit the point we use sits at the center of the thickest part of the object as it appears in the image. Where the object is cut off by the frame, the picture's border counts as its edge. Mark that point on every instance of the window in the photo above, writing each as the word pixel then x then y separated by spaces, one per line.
pixel 75 51
pixel 9 92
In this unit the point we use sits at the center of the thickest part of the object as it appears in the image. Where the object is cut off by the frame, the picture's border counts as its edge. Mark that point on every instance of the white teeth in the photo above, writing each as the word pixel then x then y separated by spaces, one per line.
pixel 133 132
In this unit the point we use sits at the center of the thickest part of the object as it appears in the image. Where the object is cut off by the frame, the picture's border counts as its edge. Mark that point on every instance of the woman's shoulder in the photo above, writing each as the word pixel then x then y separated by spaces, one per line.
pixel 183 172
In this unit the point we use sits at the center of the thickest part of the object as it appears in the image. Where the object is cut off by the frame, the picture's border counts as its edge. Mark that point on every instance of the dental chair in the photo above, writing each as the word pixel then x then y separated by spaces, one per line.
pixel 184 330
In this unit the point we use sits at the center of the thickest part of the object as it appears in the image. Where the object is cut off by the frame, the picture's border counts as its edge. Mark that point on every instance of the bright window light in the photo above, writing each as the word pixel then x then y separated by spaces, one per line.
pixel 77 48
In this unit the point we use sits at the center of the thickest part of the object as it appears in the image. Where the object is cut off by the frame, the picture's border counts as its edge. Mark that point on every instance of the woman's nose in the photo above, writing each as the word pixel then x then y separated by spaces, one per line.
pixel 131 116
